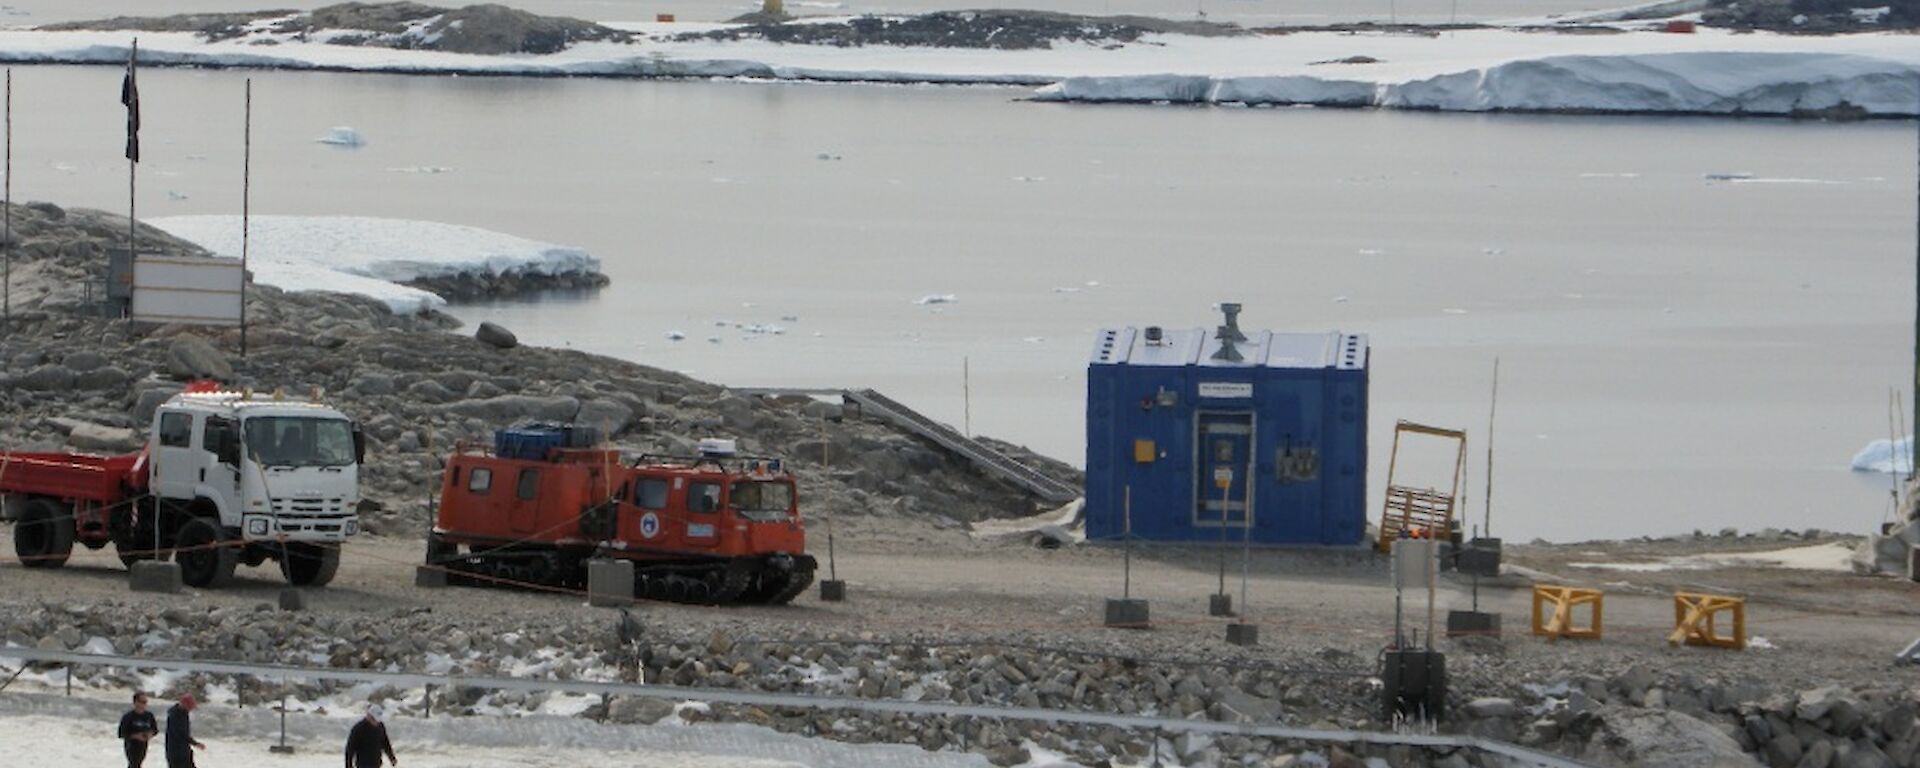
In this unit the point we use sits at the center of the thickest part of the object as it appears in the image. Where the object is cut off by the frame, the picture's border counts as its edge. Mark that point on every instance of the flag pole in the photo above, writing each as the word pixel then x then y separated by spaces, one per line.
pixel 131 96
pixel 6 314
pixel 246 199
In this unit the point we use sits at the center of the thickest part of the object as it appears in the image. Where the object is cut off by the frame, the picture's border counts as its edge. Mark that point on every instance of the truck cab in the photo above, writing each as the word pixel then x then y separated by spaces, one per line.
pixel 279 475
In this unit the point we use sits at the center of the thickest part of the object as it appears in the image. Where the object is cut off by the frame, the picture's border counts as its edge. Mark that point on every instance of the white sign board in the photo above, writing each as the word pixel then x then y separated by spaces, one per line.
pixel 1226 389
pixel 196 290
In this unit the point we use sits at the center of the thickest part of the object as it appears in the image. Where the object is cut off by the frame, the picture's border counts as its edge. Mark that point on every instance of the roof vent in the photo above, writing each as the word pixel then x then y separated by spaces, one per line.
pixel 1229 332
pixel 1155 335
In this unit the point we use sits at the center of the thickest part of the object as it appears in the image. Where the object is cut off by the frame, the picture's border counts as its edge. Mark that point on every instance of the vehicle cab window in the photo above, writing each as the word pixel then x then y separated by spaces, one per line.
pixel 761 499
pixel 176 430
pixel 480 481
pixel 703 497
pixel 650 493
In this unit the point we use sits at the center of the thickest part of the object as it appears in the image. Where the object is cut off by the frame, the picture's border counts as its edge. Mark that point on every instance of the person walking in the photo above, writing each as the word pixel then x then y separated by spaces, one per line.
pixel 180 741
pixel 367 740
pixel 137 728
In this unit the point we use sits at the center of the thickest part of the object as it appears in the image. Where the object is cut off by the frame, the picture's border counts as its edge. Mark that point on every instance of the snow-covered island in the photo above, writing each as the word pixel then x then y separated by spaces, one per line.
pixel 1620 63
pixel 412 266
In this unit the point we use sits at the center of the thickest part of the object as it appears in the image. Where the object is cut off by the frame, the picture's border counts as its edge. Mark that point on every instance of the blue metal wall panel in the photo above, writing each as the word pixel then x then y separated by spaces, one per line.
pixel 1308 443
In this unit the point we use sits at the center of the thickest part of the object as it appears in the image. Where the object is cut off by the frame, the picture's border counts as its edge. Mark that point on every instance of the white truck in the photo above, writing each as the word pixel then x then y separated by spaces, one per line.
pixel 229 477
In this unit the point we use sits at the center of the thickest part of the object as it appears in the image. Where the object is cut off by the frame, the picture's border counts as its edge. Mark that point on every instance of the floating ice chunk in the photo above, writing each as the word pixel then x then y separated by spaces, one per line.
pixel 343 136
pixel 713 339
pixel 937 298
pixel 1736 176
pixel 1609 175
pixel 1339 299
pixel 1885 456
pixel 176 195
pixel 789 318
pixel 827 156
pixel 1030 179
pixel 1454 311
pixel 1066 289
pixel 1371 252
pixel 676 335
pixel 1035 339
pixel 1093 283
pixel 1493 251
pixel 420 169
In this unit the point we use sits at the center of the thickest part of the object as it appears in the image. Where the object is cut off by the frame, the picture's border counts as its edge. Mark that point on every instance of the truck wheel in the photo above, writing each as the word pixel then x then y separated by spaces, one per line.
pixel 43 538
pixel 201 563
pixel 309 565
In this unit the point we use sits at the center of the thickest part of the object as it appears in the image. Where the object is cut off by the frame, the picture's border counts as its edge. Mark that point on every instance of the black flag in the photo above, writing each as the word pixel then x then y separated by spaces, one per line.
pixel 130 96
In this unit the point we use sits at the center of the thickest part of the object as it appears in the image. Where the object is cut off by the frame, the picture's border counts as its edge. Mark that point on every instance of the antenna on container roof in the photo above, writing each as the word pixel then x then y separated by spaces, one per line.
pixel 1228 333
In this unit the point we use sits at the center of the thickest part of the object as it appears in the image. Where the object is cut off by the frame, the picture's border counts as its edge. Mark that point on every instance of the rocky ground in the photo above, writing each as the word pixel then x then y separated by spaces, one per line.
pixel 488 29
pixel 1821 17
pixel 998 29
pixel 83 381
pixel 937 613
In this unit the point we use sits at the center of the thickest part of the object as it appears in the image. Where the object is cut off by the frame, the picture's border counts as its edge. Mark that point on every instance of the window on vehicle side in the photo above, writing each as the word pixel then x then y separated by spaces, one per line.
pixel 703 497
pixel 650 493
pixel 529 484
pixel 176 430
pixel 480 481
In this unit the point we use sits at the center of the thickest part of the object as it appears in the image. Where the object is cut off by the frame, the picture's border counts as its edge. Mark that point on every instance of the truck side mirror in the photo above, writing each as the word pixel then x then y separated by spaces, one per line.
pixel 359 445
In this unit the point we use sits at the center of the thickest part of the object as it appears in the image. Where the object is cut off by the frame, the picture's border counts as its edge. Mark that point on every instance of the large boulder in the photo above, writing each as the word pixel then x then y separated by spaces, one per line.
pixel 192 357
pixel 1668 739
pixel 149 400
pixel 103 379
pixel 609 416
pixel 46 378
pixel 496 336
pixel 94 437
pixel 507 409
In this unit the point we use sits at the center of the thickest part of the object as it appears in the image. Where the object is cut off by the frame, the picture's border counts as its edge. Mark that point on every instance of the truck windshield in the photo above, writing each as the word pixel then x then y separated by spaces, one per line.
pixel 761 500
pixel 300 441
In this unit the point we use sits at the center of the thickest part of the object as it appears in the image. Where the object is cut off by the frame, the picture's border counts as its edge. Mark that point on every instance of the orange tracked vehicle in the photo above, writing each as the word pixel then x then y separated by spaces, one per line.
pixel 713 529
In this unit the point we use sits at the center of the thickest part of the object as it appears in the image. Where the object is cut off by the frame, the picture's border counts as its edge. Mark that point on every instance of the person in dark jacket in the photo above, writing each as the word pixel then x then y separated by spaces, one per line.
pixel 367 740
pixel 137 728
pixel 180 742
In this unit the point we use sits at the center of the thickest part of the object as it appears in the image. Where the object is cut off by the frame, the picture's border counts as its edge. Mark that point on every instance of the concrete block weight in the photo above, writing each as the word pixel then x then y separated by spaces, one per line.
pixel 609 583
pixel 155 576
pixel 1128 614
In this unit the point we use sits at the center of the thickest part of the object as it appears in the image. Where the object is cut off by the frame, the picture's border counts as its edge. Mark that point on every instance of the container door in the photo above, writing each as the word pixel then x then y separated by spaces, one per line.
pixel 1223 456
pixel 525 513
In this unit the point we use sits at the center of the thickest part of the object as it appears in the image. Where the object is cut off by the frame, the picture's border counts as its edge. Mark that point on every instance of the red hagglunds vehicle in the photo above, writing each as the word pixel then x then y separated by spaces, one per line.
pixel 717 528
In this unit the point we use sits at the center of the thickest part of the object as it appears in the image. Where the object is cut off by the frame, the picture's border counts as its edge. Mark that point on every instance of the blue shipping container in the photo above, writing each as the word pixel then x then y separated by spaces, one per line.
pixel 1276 423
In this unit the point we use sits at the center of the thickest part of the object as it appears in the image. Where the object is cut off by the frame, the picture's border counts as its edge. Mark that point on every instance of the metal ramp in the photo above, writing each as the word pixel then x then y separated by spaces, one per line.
pixel 1046 488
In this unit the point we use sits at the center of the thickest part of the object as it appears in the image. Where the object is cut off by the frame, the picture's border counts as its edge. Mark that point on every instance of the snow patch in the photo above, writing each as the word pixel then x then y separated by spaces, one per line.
pixel 1832 557
pixel 373 257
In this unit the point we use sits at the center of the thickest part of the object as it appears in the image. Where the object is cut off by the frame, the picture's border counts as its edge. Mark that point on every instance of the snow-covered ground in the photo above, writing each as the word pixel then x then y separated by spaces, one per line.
pixel 1634 70
pixel 1832 557
pixel 373 256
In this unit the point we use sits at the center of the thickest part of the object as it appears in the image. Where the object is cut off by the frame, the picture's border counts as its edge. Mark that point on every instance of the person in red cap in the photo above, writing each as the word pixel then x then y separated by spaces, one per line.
pixel 180 742
pixel 367 740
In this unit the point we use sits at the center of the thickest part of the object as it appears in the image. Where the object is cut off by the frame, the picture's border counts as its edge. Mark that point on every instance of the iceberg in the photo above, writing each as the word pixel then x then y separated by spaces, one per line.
pixel 1886 457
